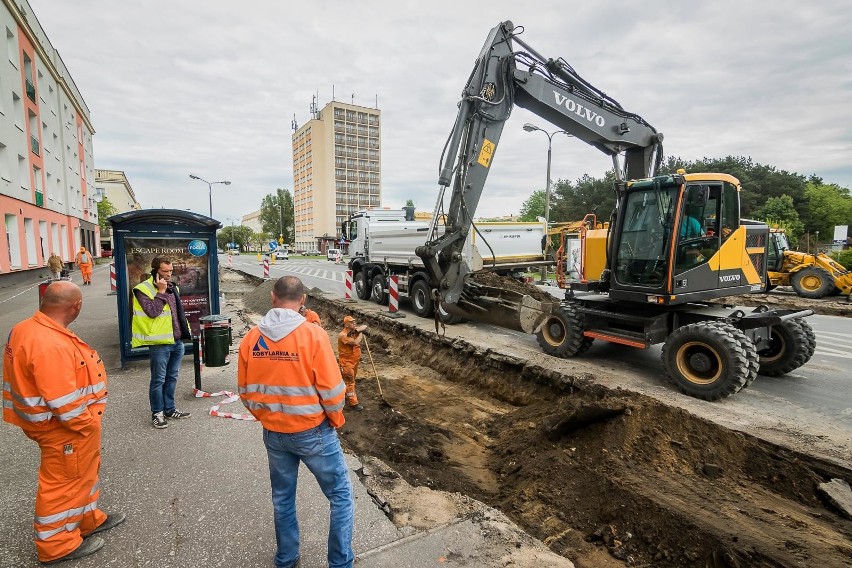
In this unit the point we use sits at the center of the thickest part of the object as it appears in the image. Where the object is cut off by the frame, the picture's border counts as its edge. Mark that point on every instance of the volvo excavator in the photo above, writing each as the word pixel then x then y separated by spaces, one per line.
pixel 673 243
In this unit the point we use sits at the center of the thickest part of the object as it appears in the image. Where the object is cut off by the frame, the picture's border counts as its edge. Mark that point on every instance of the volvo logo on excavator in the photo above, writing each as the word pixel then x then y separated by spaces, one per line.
pixel 578 109
pixel 730 278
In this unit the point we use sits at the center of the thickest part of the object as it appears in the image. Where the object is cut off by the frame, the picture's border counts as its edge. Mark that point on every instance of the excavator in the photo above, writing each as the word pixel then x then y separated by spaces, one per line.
pixel 673 243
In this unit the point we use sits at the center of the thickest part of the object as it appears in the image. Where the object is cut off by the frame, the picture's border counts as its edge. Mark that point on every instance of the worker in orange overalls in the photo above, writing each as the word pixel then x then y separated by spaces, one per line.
pixel 55 389
pixel 348 356
pixel 310 315
pixel 288 380
pixel 85 261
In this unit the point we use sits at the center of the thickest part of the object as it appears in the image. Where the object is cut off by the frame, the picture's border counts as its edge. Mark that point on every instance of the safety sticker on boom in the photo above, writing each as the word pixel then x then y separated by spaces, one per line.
pixel 486 154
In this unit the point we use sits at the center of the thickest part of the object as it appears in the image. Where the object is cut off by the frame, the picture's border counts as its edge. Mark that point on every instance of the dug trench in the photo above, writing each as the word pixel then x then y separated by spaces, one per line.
pixel 603 477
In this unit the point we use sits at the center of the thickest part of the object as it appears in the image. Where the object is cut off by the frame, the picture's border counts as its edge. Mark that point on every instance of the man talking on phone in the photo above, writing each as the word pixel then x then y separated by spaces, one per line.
pixel 159 323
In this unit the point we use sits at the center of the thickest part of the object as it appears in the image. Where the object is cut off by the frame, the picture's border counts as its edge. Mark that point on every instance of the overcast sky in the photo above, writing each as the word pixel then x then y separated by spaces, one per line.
pixel 210 87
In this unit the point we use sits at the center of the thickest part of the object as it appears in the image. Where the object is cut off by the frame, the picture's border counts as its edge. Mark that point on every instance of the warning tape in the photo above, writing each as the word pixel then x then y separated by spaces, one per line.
pixel 230 397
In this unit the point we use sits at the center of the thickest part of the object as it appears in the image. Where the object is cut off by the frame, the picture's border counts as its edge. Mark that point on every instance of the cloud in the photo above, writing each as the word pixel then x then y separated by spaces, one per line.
pixel 210 88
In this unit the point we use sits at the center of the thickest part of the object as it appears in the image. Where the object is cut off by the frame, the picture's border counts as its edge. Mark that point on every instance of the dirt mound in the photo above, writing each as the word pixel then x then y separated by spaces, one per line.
pixel 830 306
pixel 493 280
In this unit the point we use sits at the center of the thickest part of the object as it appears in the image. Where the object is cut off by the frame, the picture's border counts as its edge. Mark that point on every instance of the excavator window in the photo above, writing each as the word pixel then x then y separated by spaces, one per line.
pixel 700 234
pixel 642 257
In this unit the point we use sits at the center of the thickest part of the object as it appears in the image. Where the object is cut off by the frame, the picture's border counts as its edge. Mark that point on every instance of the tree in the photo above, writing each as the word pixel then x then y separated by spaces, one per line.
pixel 780 212
pixel 239 234
pixel 572 202
pixel 533 207
pixel 105 210
pixel 276 215
pixel 828 205
pixel 409 203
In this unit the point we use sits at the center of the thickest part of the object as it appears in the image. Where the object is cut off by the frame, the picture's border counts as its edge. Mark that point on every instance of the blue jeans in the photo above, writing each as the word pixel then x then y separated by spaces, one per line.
pixel 165 365
pixel 319 448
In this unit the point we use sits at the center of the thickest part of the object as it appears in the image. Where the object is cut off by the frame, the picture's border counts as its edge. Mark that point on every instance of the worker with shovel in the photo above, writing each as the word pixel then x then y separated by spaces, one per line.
pixel 349 355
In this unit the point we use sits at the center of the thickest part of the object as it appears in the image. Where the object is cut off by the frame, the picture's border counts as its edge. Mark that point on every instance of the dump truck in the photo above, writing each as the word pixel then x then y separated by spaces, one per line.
pixel 382 244
pixel 673 242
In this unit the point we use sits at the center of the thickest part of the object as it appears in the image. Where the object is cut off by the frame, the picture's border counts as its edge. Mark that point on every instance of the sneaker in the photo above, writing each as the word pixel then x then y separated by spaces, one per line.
pixel 159 421
pixel 177 414
pixel 88 546
pixel 112 520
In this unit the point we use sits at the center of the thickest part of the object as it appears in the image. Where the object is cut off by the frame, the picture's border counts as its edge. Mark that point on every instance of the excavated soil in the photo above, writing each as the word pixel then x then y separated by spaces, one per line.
pixel 603 477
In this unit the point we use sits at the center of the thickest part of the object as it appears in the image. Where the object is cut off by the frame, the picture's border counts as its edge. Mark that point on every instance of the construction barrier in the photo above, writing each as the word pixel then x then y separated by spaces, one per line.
pixel 112 286
pixel 393 303
pixel 348 295
pixel 266 268
pixel 230 261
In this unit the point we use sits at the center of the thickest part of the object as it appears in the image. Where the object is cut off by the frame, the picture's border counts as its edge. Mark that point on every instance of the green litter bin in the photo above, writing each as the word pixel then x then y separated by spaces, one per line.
pixel 215 340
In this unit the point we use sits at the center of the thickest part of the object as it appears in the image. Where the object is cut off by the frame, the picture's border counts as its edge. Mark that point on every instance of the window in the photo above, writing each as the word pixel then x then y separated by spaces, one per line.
pixel 12 48
pixel 42 235
pixel 23 173
pixel 13 240
pixel 63 235
pixel 18 111
pixel 5 170
pixel 39 195
pixel 29 235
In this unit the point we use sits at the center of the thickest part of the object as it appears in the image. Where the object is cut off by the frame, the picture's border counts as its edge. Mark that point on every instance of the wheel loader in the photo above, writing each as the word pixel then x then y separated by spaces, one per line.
pixel 810 275
pixel 673 243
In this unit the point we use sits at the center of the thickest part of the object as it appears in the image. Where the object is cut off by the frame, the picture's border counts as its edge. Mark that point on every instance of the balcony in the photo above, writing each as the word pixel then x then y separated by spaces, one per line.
pixel 34 145
pixel 39 199
pixel 31 90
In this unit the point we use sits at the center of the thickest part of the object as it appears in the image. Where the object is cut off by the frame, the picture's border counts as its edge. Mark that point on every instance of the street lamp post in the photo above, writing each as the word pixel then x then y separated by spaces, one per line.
pixel 532 128
pixel 210 185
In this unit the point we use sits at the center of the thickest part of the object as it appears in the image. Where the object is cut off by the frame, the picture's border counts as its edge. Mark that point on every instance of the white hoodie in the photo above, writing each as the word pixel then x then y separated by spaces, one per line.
pixel 278 323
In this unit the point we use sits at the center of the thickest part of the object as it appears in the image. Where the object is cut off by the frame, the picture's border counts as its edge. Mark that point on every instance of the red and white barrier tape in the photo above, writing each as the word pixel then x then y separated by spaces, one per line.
pixel 230 397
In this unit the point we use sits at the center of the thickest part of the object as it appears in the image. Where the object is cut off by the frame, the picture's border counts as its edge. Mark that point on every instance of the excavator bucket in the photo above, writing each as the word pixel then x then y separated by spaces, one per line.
pixel 505 308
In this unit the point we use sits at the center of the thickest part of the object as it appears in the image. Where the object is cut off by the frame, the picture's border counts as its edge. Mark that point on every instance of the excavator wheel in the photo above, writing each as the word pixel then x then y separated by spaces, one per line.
pixel 362 286
pixel 812 282
pixel 752 356
pixel 421 299
pixel 446 317
pixel 379 290
pixel 561 333
pixel 709 360
pixel 791 345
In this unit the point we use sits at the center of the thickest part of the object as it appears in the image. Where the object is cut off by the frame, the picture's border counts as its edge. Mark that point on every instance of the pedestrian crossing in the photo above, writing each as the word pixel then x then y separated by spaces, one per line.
pixel 310 270
pixel 833 344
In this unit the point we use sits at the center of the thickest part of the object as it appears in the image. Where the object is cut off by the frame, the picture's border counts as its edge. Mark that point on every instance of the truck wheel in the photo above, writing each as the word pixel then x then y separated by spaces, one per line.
pixel 362 288
pixel 752 356
pixel 791 345
pixel 812 282
pixel 379 289
pixel 707 360
pixel 561 334
pixel 421 299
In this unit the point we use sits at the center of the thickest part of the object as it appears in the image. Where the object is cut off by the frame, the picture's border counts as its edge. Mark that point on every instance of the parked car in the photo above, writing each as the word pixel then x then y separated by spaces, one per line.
pixel 313 252
pixel 106 253
pixel 281 255
pixel 332 254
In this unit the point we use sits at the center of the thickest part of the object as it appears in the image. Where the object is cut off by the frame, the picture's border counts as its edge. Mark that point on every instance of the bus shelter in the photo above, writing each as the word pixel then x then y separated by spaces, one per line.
pixel 188 240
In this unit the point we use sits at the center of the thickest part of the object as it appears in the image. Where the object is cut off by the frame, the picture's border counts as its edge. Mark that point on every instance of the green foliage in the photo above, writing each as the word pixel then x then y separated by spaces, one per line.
pixel 276 215
pixel 105 210
pixel 828 205
pixel 844 257
pixel 235 233
pixel 779 212
pixel 533 207
pixel 571 202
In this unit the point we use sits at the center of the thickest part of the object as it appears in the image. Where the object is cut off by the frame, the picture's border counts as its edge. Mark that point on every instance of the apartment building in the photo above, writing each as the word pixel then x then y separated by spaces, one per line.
pixel 114 185
pixel 47 196
pixel 336 171
pixel 252 221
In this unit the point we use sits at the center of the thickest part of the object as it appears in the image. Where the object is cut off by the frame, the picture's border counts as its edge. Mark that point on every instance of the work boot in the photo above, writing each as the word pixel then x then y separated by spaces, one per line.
pixel 359 407
pixel 112 520
pixel 177 414
pixel 87 547
pixel 158 420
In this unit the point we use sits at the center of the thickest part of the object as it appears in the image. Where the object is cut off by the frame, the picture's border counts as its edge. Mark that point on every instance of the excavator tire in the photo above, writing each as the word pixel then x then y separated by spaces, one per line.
pixel 379 290
pixel 421 299
pixel 708 360
pixel 752 356
pixel 362 286
pixel 561 334
pixel 791 345
pixel 812 282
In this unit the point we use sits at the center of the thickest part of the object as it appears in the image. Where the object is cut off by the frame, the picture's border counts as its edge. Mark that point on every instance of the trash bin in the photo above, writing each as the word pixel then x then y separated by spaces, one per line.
pixel 41 288
pixel 215 340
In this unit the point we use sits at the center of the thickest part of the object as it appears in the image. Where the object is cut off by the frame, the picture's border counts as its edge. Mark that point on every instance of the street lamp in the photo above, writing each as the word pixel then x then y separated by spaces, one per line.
pixel 532 128
pixel 210 185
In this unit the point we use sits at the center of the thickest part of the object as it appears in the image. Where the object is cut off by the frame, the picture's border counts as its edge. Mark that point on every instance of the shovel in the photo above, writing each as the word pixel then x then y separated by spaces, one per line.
pixel 375 372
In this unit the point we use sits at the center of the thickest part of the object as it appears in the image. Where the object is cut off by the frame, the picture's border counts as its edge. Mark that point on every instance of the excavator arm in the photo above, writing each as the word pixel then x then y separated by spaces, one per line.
pixel 504 76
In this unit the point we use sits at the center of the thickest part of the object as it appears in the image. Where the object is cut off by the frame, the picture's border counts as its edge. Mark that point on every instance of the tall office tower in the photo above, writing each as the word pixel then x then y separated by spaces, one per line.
pixel 48 199
pixel 336 171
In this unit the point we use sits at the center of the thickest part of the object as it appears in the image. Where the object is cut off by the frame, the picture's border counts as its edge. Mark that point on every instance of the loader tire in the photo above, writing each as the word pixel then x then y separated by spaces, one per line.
pixel 708 360
pixel 812 282
pixel 752 356
pixel 791 345
pixel 421 299
pixel 379 290
pixel 362 286
pixel 561 334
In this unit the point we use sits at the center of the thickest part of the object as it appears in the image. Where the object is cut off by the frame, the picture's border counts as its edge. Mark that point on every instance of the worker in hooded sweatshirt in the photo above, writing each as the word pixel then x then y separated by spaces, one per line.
pixel 310 315
pixel 55 390
pixel 85 261
pixel 349 355
pixel 289 381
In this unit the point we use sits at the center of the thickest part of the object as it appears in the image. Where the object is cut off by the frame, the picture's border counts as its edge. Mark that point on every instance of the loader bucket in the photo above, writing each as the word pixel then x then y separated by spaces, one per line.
pixel 504 308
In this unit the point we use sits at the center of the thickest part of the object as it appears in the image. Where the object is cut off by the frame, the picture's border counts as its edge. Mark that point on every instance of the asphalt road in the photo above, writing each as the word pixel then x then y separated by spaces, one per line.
pixel 821 386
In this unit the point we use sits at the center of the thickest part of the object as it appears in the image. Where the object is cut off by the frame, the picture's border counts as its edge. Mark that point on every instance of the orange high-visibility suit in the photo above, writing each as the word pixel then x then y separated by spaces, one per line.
pixel 55 389
pixel 311 316
pixel 85 261
pixel 293 384
pixel 349 355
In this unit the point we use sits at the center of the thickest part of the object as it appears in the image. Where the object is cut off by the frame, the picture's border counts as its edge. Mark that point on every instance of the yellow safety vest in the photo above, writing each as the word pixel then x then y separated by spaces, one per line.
pixel 146 330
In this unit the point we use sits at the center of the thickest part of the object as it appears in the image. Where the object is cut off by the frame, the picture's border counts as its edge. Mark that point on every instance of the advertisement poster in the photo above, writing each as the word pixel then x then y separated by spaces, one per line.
pixel 189 257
